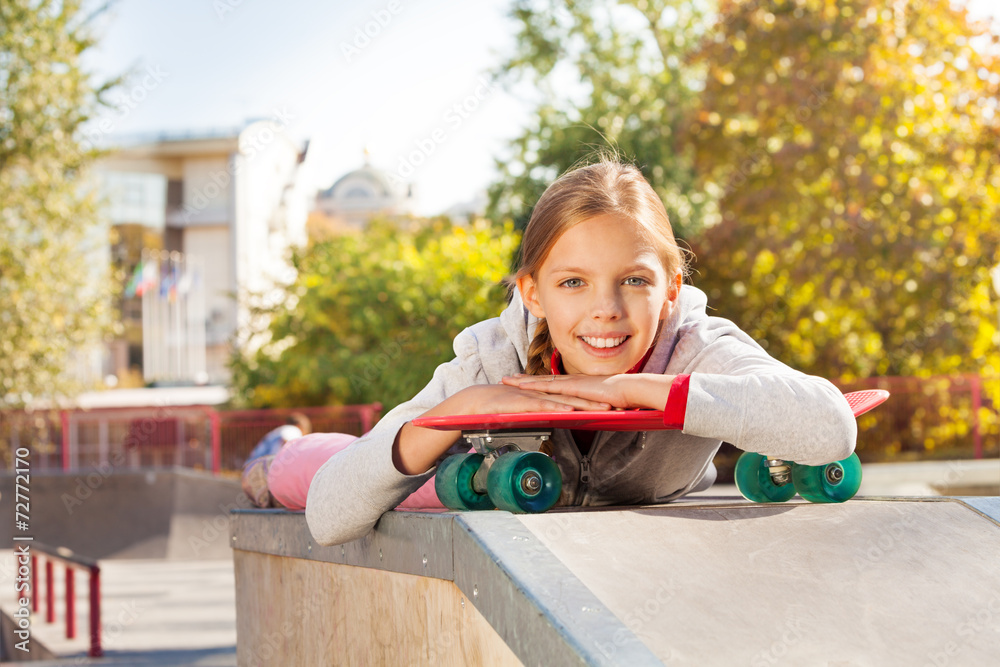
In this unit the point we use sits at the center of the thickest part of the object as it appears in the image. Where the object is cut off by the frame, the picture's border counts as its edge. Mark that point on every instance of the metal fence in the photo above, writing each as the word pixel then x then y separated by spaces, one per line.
pixel 198 437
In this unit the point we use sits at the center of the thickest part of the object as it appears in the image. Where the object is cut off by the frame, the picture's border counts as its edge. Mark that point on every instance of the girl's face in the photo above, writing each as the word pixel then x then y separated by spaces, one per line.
pixel 603 291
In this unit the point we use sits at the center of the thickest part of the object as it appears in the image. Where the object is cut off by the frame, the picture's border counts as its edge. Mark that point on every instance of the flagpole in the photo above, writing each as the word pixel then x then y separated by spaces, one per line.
pixel 157 319
pixel 147 343
pixel 175 306
pixel 200 316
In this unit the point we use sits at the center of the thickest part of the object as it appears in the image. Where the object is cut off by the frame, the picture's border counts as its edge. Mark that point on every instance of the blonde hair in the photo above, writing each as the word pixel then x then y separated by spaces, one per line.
pixel 605 187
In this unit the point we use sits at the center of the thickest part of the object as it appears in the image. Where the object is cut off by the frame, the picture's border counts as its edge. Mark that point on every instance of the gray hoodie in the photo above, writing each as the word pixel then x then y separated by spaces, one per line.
pixel 737 394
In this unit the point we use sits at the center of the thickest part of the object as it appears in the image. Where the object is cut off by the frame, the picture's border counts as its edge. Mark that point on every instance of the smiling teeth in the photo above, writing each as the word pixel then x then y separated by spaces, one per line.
pixel 603 342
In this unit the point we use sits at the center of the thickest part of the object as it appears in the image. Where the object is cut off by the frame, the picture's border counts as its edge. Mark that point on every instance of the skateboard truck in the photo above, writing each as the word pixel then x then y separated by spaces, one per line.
pixel 493 446
pixel 506 471
pixel 780 471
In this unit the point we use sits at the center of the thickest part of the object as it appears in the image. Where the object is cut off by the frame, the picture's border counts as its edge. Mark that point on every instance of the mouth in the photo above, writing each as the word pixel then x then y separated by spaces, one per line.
pixel 604 343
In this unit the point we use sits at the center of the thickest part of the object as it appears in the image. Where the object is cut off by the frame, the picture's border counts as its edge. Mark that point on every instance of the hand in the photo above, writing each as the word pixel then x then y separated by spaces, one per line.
pixel 637 390
pixel 507 398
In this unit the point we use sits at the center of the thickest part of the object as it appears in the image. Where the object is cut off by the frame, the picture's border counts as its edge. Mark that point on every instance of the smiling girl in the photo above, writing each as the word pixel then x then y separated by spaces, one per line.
pixel 599 320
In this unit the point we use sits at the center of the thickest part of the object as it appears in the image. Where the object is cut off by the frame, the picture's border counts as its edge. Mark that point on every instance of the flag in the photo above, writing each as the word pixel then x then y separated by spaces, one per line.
pixel 133 284
pixel 148 279
pixel 167 281
pixel 187 279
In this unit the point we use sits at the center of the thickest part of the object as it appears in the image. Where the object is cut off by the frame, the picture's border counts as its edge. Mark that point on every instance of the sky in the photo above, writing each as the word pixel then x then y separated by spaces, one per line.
pixel 405 79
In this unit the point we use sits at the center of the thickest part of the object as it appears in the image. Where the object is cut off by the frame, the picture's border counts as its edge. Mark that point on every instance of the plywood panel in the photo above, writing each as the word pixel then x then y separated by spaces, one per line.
pixel 291 611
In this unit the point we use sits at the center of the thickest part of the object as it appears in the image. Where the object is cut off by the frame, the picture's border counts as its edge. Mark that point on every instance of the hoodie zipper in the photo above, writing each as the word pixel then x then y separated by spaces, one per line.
pixel 585 470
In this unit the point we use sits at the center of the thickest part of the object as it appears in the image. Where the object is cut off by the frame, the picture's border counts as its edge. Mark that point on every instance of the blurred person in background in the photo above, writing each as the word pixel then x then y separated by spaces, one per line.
pixel 295 426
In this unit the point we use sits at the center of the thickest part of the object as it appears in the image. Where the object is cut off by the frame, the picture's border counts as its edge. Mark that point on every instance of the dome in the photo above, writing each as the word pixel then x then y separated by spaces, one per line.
pixel 366 183
pixel 364 193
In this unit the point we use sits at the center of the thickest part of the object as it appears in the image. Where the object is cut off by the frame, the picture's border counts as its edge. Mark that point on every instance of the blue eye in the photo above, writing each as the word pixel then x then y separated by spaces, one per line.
pixel 635 281
pixel 572 282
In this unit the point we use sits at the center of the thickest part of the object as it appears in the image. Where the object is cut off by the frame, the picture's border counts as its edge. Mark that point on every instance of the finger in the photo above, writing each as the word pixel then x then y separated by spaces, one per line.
pixel 575 402
pixel 561 388
pixel 516 380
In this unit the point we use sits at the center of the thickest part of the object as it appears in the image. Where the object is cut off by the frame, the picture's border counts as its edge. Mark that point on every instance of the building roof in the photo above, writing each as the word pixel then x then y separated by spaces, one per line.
pixel 152 397
pixel 346 187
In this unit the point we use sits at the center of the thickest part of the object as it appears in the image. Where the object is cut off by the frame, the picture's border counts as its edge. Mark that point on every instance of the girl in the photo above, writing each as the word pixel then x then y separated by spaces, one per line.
pixel 599 320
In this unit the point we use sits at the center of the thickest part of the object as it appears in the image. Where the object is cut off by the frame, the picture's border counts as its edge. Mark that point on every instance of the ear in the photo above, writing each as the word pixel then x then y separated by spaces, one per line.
pixel 673 292
pixel 529 295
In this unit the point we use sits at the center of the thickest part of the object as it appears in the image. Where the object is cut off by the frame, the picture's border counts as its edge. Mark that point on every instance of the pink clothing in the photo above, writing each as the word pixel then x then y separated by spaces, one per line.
pixel 293 468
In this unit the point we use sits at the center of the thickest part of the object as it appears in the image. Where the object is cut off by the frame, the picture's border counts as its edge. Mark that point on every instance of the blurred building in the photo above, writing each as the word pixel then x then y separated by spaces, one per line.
pixel 198 221
pixel 357 197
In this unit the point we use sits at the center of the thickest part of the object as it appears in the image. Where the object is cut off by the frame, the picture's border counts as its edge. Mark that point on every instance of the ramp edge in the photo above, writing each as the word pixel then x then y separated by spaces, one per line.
pixel 987 507
pixel 409 543
pixel 544 613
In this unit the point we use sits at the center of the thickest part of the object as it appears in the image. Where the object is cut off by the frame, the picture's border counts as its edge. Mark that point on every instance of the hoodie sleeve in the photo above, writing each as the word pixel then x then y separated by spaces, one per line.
pixel 740 394
pixel 355 487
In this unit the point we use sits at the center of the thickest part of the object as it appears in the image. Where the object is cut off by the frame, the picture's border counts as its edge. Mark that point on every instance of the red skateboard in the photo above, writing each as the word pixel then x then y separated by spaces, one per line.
pixel 508 472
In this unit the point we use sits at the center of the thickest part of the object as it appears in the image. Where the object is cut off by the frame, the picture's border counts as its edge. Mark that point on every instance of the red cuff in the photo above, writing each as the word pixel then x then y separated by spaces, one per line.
pixel 677 400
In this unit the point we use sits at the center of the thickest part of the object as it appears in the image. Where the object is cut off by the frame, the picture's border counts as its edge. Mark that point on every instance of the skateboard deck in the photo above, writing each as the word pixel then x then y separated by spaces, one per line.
pixel 599 420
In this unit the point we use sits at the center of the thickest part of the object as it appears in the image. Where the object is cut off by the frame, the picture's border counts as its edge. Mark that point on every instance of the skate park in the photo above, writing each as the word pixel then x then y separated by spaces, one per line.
pixel 218 217
pixel 907 579
pixel 877 581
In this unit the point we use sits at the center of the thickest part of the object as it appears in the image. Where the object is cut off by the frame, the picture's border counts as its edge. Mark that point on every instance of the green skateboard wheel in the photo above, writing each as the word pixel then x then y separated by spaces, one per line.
pixel 453 483
pixel 754 480
pixel 831 483
pixel 524 482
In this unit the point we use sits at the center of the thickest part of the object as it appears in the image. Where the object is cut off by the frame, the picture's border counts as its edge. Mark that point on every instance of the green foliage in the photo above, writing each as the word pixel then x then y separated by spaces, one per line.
pixel 370 316
pixel 634 92
pixel 52 302
pixel 852 146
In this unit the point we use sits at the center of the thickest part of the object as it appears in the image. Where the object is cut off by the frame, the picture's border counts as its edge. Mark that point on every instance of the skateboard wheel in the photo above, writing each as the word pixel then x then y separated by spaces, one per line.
pixel 832 483
pixel 453 483
pixel 753 479
pixel 524 482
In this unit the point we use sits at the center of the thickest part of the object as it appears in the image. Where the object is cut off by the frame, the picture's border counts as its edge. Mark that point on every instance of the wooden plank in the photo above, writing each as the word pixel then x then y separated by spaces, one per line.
pixel 300 612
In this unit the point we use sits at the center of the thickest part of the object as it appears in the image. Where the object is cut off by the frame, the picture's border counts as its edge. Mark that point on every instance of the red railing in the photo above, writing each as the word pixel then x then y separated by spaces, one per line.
pixel 942 417
pixel 72 562
pixel 198 437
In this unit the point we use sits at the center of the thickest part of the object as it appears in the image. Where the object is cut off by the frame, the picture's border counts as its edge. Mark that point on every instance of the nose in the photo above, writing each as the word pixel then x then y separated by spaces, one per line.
pixel 607 304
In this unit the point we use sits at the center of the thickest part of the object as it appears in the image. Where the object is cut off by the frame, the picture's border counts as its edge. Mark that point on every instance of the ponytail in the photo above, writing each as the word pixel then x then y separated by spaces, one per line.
pixel 540 351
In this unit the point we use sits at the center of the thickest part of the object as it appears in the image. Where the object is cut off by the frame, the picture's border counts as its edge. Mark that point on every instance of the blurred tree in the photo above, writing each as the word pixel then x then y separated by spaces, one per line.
pixel 610 75
pixel 853 148
pixel 52 302
pixel 371 315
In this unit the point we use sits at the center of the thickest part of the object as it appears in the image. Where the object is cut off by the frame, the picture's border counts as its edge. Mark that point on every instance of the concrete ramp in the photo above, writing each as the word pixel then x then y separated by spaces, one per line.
pixel 168 513
pixel 878 581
